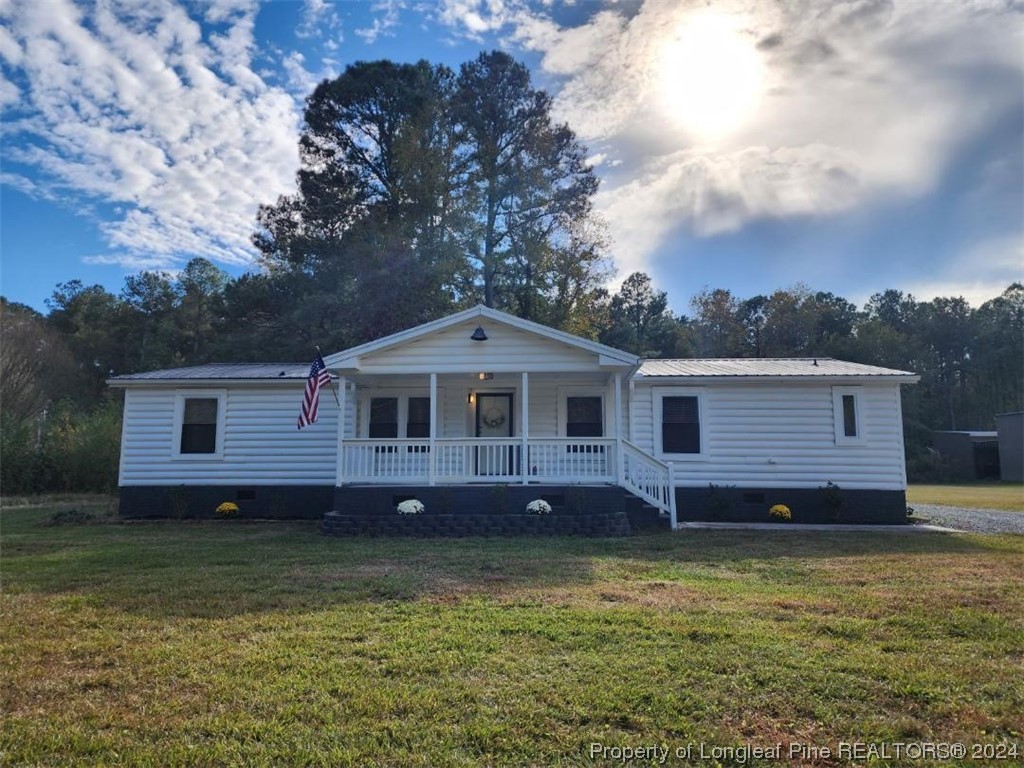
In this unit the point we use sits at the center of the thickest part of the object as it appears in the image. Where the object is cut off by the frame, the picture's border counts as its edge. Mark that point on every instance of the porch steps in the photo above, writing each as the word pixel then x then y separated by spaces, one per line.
pixel 643 516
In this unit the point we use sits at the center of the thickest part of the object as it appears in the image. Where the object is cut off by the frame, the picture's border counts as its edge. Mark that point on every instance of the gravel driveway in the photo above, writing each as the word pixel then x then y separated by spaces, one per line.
pixel 977 520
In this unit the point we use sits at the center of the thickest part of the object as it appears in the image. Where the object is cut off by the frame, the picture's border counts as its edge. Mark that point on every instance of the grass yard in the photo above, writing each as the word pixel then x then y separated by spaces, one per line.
pixel 979 495
pixel 226 642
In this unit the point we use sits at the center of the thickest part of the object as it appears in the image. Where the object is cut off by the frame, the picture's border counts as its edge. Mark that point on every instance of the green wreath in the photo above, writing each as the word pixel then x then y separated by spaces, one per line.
pixel 494 418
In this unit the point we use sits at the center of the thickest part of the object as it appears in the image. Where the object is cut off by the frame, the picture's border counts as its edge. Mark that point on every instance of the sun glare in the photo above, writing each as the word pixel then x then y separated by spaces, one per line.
pixel 710 75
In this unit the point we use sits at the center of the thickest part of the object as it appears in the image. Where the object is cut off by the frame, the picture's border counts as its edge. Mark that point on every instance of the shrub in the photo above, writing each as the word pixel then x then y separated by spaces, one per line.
pixel 538 507
pixel 411 507
pixel 718 502
pixel 781 513
pixel 227 509
pixel 832 498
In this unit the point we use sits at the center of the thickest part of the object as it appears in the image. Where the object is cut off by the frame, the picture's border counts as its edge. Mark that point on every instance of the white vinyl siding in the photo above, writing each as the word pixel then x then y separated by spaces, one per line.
pixel 506 350
pixel 766 434
pixel 261 444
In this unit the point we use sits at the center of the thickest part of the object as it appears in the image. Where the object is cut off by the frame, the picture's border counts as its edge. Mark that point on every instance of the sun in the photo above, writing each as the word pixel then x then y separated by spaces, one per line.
pixel 710 75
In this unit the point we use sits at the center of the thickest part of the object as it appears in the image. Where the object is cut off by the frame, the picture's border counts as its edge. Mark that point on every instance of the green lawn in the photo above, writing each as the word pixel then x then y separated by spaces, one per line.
pixel 261 643
pixel 980 495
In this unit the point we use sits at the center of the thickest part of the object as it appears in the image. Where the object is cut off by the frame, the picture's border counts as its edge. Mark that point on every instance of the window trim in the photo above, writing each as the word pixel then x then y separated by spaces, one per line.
pixel 403 395
pixel 838 418
pixel 658 394
pixel 180 396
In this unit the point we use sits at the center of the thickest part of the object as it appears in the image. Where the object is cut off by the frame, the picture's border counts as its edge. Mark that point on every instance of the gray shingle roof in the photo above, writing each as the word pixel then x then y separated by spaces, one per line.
pixel 227 371
pixel 790 367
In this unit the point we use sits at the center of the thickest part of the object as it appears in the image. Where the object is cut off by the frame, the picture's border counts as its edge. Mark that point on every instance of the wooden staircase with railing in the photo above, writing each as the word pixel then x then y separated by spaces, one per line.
pixel 651 482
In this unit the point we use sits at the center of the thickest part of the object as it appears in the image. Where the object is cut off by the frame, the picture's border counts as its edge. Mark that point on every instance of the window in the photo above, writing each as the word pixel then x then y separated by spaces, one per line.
pixel 678 432
pixel 400 416
pixel 383 417
pixel 418 422
pixel 199 425
pixel 584 417
pixel 846 414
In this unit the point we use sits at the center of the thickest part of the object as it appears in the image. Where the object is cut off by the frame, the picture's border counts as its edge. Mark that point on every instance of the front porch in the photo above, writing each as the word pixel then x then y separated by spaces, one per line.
pixel 483 399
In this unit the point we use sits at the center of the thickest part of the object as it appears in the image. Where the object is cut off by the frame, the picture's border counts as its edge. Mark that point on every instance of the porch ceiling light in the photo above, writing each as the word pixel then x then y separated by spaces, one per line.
pixel 478 334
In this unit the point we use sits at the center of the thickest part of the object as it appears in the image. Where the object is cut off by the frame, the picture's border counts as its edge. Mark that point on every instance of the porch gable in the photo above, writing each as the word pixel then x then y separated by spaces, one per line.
pixel 455 344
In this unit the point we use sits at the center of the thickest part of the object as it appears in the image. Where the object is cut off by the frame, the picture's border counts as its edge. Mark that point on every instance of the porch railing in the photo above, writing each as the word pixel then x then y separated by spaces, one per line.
pixel 650 479
pixel 467 460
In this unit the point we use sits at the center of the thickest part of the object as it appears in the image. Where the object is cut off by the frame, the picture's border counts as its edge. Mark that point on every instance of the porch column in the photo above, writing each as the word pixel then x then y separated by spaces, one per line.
pixel 619 469
pixel 524 458
pixel 632 416
pixel 339 468
pixel 433 428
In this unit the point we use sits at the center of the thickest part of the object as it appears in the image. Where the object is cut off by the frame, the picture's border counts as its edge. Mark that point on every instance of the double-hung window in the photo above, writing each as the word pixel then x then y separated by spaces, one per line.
pixel 199 425
pixel 679 432
pixel 584 417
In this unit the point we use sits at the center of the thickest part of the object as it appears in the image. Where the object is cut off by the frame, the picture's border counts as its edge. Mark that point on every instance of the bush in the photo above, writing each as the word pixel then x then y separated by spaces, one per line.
pixel 832 498
pixel 781 513
pixel 78 452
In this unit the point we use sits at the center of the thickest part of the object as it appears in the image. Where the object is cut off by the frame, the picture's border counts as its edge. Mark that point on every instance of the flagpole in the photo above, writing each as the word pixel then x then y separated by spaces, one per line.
pixel 329 382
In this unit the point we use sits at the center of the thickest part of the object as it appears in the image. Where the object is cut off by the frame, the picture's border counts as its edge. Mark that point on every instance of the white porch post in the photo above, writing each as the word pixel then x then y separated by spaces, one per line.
pixel 339 469
pixel 433 428
pixel 619 468
pixel 632 419
pixel 524 457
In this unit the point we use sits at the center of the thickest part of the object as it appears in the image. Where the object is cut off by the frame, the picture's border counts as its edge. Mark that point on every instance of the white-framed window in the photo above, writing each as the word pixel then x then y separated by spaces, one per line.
pixel 847 415
pixel 391 414
pixel 199 424
pixel 581 413
pixel 679 423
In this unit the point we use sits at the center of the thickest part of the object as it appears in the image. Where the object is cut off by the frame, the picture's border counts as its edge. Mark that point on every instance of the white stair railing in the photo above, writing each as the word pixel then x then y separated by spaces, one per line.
pixel 650 479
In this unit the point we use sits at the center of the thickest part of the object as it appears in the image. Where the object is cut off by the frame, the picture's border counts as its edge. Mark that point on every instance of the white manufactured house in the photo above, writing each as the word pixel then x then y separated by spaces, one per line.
pixel 483 399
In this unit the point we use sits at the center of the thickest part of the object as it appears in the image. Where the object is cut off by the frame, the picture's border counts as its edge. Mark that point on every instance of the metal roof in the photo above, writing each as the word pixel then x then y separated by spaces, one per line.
pixel 227 371
pixel 764 366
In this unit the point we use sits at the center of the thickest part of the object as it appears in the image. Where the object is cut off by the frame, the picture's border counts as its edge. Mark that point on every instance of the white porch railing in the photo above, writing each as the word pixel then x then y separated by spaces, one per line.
pixel 650 479
pixel 468 460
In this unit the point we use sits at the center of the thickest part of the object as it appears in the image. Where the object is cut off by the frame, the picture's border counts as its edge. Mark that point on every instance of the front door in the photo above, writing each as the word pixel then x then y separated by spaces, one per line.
pixel 494 419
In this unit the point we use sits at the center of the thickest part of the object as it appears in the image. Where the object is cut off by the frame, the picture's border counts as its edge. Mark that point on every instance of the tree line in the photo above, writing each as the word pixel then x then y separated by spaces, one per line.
pixel 422 191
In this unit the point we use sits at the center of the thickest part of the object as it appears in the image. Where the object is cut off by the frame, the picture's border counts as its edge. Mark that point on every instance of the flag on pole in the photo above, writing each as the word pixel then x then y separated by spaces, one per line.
pixel 318 377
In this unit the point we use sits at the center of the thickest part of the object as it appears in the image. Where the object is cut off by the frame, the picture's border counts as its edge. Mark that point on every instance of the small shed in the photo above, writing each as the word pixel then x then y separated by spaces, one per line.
pixel 1010 429
pixel 970 454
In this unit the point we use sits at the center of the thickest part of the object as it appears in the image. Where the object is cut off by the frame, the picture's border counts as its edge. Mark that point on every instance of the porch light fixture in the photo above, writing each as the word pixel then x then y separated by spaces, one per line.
pixel 471 398
pixel 485 376
pixel 478 334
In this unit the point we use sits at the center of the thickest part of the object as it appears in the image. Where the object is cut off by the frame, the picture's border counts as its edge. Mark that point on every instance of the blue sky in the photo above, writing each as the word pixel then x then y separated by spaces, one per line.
pixel 748 145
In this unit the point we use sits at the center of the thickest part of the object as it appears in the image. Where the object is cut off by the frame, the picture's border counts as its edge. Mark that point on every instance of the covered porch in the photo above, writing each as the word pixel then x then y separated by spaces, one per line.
pixel 483 398
pixel 483 428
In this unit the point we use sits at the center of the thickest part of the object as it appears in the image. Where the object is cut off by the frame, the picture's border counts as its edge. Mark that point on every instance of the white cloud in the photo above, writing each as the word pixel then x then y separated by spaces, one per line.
pixel 858 103
pixel 318 18
pixel 136 106
pixel 384 22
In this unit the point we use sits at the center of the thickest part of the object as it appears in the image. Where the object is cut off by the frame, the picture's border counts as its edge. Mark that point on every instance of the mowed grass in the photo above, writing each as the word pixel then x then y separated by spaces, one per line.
pixel 267 644
pixel 980 495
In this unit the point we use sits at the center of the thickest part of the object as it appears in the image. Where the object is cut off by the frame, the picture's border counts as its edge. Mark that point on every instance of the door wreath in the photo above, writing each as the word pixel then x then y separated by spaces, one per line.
pixel 493 418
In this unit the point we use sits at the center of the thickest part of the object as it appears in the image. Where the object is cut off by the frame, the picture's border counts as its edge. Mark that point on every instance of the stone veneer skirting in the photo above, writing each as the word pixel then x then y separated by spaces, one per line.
pixel 477 510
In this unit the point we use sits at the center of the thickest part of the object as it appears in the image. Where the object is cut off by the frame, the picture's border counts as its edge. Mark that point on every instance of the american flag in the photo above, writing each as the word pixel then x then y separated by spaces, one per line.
pixel 318 377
